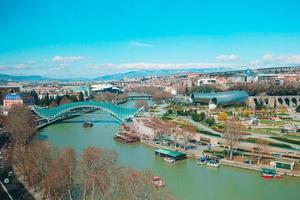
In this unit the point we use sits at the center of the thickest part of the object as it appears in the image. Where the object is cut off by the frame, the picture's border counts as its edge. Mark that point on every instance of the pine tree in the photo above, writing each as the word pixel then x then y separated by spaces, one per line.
pixel 81 96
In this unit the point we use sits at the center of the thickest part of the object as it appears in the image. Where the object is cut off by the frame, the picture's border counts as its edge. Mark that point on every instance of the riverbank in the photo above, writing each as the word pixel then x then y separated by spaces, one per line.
pixel 257 168
pixel 185 179
pixel 225 161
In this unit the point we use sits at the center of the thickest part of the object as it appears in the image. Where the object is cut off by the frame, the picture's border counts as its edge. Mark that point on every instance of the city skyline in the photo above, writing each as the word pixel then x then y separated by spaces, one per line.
pixel 92 38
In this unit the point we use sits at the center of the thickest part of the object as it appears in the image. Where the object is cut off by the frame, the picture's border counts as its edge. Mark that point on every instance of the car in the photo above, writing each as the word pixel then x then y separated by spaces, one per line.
pixel 10 174
pixel 6 180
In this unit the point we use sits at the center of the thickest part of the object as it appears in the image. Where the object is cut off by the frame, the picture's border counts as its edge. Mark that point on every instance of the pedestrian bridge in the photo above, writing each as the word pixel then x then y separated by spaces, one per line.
pixel 133 95
pixel 52 114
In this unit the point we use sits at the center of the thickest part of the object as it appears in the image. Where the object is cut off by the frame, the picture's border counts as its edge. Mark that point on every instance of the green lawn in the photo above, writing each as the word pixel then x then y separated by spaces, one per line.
pixel 275 123
pixel 274 144
pixel 283 139
pixel 207 133
pixel 267 131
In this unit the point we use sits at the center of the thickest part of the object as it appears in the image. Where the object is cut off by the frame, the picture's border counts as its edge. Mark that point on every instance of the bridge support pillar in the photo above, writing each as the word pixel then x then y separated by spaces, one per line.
pixel 271 102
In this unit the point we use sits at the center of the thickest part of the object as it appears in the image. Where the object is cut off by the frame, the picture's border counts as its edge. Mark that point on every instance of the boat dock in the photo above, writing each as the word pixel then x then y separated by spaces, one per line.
pixel 175 155
pixel 127 138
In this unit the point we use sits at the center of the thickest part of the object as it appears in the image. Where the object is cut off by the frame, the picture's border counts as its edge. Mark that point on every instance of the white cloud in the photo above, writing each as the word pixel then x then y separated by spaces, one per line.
pixel 227 58
pixel 276 60
pixel 156 66
pixel 20 66
pixel 282 59
pixel 140 44
pixel 66 58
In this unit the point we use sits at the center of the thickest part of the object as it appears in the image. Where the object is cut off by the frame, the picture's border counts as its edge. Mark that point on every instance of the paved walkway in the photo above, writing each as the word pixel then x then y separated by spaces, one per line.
pixel 255 135
pixel 200 126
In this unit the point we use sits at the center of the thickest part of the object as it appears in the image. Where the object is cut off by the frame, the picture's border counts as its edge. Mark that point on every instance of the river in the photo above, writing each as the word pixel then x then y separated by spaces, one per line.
pixel 185 179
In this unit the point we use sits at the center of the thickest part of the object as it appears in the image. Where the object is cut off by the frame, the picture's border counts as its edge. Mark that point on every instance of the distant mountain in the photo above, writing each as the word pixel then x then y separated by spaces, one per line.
pixel 5 78
pixel 164 72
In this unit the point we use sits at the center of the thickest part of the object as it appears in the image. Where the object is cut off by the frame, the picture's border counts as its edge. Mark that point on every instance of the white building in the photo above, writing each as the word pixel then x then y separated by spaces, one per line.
pixel 106 88
pixel 144 127
pixel 206 81
pixel 171 90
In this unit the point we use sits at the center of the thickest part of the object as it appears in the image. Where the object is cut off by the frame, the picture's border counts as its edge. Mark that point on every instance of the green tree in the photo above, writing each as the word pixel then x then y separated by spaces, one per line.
pixel 202 116
pixel 81 96
pixel 73 98
pixel 210 121
pixel 45 101
pixel 195 117
pixel 298 109
pixel 35 96
pixel 186 92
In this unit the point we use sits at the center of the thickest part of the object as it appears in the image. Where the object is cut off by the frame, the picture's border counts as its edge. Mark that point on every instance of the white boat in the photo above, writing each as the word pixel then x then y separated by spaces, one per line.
pixel 213 163
pixel 199 162
pixel 169 160
pixel 158 182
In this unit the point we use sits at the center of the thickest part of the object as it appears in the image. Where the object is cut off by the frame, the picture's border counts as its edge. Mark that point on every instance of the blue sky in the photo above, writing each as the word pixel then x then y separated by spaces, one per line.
pixel 69 38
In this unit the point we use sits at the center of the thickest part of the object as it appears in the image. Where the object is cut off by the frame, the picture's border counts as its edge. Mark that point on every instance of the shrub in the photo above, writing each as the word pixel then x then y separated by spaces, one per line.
pixel 222 116
pixel 195 117
pixel 286 140
pixel 202 116
pixel 210 121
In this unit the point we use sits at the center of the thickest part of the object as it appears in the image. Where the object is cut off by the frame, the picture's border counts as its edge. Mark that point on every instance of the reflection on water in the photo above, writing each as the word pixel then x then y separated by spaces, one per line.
pixel 41 136
pixel 93 121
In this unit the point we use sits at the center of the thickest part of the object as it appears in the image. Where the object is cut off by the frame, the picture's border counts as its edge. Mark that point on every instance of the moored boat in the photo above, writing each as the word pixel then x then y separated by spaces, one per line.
pixel 202 160
pixel 87 124
pixel 213 163
pixel 268 173
pixel 169 160
pixel 158 182
pixel 127 138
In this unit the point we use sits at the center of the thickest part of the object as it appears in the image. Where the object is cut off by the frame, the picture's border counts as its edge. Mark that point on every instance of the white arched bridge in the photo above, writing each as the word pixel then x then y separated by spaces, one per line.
pixel 52 114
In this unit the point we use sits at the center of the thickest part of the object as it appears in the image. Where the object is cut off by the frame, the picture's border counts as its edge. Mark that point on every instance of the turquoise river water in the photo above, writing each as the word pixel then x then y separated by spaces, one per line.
pixel 185 179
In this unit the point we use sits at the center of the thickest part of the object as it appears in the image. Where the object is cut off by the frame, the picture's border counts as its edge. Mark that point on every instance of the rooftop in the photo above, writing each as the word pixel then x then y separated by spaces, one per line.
pixel 12 96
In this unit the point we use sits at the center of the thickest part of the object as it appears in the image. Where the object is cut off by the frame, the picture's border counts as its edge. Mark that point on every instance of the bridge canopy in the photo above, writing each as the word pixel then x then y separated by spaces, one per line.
pixel 55 113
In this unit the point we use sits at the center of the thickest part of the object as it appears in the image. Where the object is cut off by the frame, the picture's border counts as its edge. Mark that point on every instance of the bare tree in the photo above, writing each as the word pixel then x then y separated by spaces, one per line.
pixel 141 103
pixel 41 150
pixel 33 161
pixel 55 181
pixel 89 165
pixel 64 100
pixel 68 165
pixel 138 185
pixel 108 96
pixel 2 120
pixel 232 134
pixel 53 104
pixel 261 148
pixel 20 122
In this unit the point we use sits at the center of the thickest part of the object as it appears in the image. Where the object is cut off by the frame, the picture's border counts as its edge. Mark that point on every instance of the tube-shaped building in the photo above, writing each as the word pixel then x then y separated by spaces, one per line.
pixel 215 99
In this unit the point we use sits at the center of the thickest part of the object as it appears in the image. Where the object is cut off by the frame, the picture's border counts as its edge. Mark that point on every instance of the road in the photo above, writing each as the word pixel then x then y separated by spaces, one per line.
pixel 14 189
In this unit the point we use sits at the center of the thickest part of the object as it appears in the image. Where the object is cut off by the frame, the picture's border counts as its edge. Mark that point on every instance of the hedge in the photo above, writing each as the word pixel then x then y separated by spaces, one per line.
pixel 286 140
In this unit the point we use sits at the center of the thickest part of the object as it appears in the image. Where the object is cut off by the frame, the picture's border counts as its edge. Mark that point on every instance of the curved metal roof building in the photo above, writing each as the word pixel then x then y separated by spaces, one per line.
pixel 220 98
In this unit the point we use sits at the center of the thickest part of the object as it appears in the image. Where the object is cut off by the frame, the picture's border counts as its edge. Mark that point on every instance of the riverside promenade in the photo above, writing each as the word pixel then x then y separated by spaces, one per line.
pixel 226 162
